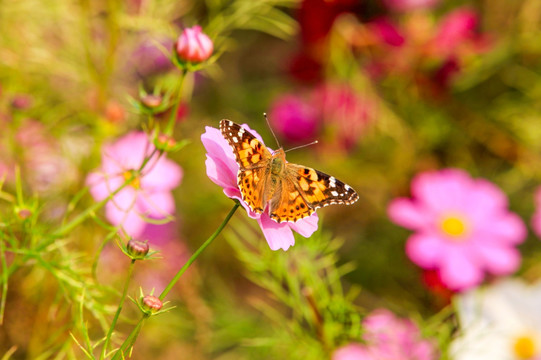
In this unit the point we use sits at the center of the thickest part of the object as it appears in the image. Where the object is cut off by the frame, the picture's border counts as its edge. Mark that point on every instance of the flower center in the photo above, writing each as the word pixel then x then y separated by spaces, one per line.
pixel 135 183
pixel 453 226
pixel 524 347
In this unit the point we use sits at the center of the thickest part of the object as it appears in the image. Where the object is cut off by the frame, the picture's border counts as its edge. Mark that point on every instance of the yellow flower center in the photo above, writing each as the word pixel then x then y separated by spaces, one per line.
pixel 453 226
pixel 135 183
pixel 524 347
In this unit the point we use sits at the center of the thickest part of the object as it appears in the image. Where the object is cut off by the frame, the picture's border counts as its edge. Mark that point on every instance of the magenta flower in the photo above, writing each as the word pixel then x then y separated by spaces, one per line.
pixel 193 45
pixel 456 28
pixel 462 227
pixel 148 195
pixel 222 169
pixel 345 113
pixel 387 337
pixel 294 119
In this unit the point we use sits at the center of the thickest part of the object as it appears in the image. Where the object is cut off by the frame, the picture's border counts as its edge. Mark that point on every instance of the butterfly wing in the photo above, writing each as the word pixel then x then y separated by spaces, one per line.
pixel 253 159
pixel 288 203
pixel 320 189
pixel 249 151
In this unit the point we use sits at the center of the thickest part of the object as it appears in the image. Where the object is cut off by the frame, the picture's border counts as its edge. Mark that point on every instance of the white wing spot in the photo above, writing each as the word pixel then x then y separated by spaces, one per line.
pixel 332 182
pixel 235 139
pixel 347 187
pixel 230 123
pixel 334 193
pixel 241 131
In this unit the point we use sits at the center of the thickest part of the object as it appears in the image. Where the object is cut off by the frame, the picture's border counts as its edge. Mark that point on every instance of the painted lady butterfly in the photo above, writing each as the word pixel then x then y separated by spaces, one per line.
pixel 292 192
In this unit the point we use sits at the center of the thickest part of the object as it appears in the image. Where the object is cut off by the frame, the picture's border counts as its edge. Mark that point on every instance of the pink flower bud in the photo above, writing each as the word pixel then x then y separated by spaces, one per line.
pixel 151 303
pixel 137 249
pixel 193 45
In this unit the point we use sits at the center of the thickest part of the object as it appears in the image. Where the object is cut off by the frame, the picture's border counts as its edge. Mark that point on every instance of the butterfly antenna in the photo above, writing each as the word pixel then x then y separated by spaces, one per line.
pixel 270 127
pixel 301 146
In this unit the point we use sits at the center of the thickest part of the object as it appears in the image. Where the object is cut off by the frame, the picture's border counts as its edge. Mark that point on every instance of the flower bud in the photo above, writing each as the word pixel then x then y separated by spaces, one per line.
pixel 24 214
pixel 165 142
pixel 193 45
pixel 137 249
pixel 151 303
pixel 151 101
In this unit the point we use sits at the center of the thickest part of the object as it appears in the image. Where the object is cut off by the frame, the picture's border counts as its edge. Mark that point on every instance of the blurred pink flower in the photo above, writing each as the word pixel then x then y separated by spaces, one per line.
pixel 408 5
pixel 456 28
pixel 149 194
pixel 463 227
pixel 222 169
pixel 536 219
pixel 193 45
pixel 345 113
pixel 352 352
pixel 149 57
pixel 294 118
pixel 388 337
pixel 431 53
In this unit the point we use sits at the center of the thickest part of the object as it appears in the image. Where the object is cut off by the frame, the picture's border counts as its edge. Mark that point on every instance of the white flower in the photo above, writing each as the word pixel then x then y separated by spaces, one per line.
pixel 499 322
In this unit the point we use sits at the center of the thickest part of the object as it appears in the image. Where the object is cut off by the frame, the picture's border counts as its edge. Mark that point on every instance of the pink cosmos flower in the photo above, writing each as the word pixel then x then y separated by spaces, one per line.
pixel 294 118
pixel 222 169
pixel 148 195
pixel 193 45
pixel 388 337
pixel 462 227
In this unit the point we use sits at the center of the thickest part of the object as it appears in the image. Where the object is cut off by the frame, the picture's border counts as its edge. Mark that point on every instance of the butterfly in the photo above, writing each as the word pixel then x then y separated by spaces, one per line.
pixel 266 180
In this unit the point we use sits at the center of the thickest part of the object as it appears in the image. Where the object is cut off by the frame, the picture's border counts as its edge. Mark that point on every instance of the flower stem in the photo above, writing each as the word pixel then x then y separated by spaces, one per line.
pixel 130 340
pixel 197 253
pixel 118 310
pixel 173 117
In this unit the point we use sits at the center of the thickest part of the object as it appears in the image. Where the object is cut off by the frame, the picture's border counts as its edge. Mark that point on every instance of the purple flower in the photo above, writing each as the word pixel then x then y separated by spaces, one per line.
pixel 462 227
pixel 222 169
pixel 147 196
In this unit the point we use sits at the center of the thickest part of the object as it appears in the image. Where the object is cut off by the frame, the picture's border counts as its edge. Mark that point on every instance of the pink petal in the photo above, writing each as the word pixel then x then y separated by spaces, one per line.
pixel 131 222
pixel 484 200
pixel 102 185
pixel 352 352
pixel 161 175
pixel 442 191
pixel 220 173
pixel 305 227
pixel 498 260
pixel 409 214
pixel 126 153
pixel 279 236
pixel 506 228
pixel 458 271
pixel 426 250
pixel 157 205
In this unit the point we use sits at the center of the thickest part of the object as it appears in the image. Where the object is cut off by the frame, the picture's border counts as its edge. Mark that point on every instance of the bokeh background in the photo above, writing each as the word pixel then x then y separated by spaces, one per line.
pixel 389 89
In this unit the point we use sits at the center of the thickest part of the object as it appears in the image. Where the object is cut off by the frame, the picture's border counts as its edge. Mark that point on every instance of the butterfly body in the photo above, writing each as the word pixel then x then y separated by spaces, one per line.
pixel 267 182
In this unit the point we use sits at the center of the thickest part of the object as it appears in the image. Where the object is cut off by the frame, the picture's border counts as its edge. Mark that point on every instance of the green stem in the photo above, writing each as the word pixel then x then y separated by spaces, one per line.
pixel 118 310
pixel 130 340
pixel 198 252
pixel 173 117
pixel 82 217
